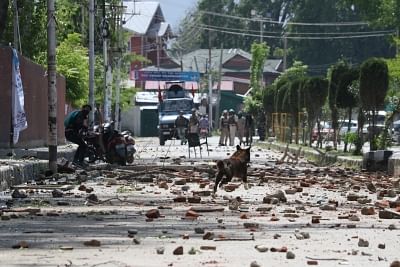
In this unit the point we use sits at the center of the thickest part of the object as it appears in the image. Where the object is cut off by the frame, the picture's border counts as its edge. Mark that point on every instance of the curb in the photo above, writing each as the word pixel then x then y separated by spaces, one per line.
pixel 314 156
pixel 17 172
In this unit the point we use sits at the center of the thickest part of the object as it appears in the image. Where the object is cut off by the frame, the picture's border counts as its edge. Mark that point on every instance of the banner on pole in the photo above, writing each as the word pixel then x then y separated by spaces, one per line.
pixel 166 76
pixel 19 122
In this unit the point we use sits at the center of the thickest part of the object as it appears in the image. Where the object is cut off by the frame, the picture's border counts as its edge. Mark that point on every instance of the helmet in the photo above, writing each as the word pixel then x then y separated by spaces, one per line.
pixel 231 110
pixel 225 111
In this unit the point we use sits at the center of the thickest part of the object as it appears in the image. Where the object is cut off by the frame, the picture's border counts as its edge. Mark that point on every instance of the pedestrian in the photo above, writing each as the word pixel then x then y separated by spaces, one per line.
pixel 249 129
pixel 224 128
pixel 240 127
pixel 75 125
pixel 194 122
pixel 232 121
pixel 203 125
pixel 181 125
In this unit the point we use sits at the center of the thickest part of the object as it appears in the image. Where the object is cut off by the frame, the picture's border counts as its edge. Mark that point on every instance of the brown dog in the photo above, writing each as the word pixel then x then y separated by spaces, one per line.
pixel 236 166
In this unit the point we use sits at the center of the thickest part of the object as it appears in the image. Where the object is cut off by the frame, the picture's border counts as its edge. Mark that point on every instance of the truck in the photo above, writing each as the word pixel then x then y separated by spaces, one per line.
pixel 175 99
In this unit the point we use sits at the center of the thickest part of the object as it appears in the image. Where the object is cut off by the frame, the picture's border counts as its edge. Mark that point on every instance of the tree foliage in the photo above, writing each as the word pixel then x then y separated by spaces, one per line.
pixel 72 62
pixel 374 82
pixel 316 92
pixel 259 54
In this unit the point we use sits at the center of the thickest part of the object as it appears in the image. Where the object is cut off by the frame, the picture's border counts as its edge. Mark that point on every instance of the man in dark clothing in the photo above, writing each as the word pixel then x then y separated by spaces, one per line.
pixel 248 129
pixel 181 124
pixel 75 123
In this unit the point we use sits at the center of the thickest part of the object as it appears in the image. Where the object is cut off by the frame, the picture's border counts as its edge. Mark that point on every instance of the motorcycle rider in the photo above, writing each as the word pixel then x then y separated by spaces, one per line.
pixel 75 124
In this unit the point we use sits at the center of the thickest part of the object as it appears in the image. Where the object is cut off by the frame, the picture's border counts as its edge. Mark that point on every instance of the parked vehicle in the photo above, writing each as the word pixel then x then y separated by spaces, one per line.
pixel 326 131
pixel 345 124
pixel 175 100
pixel 107 144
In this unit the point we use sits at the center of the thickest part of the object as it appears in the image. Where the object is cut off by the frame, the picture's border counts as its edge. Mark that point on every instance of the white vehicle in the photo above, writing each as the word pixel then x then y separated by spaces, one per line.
pixel 345 124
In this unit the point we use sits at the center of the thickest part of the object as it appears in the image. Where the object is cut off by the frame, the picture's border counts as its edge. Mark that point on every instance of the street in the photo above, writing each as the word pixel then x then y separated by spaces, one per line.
pixel 155 213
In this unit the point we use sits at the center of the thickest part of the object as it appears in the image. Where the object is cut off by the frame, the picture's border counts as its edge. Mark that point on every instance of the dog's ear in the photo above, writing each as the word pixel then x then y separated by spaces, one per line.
pixel 238 147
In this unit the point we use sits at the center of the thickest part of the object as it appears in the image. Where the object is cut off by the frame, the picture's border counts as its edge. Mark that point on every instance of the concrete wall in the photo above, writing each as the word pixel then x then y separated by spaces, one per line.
pixel 34 80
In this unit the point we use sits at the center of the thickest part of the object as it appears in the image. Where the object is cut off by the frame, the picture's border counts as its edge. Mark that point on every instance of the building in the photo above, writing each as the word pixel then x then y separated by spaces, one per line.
pixel 150 32
pixel 235 69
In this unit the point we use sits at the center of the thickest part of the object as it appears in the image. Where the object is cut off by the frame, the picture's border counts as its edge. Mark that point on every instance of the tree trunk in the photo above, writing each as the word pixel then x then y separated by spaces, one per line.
pixel 3 17
pixel 348 129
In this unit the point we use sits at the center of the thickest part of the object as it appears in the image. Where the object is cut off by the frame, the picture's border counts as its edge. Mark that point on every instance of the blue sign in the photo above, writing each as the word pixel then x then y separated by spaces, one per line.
pixel 189 76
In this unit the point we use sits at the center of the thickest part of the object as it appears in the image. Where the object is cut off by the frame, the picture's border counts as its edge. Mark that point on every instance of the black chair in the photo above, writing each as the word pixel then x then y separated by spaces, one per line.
pixel 194 141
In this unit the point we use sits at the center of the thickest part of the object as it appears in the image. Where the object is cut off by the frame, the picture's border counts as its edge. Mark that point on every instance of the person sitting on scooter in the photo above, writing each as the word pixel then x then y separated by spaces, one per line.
pixel 75 123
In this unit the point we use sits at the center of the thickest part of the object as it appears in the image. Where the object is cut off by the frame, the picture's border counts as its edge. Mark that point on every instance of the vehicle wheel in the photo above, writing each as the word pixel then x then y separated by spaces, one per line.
pixel 91 154
pixel 162 140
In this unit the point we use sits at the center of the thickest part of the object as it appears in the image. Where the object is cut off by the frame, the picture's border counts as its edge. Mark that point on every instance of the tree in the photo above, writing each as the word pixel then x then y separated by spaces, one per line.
pixel 335 75
pixel 3 17
pixel 316 91
pixel 319 53
pixel 259 54
pixel 346 97
pixel 72 62
pixel 268 100
pixel 374 80
pixel 294 103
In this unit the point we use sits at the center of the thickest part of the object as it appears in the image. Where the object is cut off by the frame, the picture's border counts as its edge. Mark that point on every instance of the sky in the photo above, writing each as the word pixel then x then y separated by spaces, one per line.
pixel 175 10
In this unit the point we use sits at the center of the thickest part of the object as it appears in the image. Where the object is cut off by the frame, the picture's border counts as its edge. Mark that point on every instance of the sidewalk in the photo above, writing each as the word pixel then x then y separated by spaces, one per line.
pixel 26 164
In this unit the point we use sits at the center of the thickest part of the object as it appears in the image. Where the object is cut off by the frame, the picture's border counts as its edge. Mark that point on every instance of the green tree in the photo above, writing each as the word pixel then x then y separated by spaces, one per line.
pixel 316 92
pixel 3 17
pixel 72 62
pixel 294 102
pixel 346 97
pixel 259 54
pixel 374 81
pixel 335 75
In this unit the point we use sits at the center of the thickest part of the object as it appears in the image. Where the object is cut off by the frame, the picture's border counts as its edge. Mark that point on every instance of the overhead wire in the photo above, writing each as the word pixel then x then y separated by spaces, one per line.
pixel 258 19
pixel 299 37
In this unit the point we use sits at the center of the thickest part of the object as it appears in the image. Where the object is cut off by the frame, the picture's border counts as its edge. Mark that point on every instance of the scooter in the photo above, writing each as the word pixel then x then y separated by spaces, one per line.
pixel 107 144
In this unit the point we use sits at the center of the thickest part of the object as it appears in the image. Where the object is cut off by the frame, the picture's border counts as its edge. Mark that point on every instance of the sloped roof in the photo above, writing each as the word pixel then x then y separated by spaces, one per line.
pixel 202 55
pixel 145 18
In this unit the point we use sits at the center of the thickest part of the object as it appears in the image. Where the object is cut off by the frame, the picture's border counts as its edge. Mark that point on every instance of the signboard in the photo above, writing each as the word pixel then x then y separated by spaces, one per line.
pixel 166 76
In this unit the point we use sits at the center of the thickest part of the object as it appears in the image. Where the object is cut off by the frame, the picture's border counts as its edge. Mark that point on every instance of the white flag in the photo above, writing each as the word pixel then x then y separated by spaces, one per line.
pixel 18 114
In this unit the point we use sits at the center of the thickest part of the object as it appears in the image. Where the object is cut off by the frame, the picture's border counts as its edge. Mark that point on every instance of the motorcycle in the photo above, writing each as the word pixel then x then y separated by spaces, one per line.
pixel 107 144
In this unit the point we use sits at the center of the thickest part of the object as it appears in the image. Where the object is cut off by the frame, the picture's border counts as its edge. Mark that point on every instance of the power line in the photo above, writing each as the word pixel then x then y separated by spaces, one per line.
pixel 353 23
pixel 298 33
pixel 299 37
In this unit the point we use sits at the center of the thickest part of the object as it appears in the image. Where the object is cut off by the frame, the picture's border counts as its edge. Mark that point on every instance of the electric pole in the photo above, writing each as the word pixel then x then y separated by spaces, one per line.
pixel 52 90
pixel 107 68
pixel 91 61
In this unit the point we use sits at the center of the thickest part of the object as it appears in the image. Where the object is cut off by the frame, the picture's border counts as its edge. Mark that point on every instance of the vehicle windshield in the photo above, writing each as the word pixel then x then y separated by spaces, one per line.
pixel 176 105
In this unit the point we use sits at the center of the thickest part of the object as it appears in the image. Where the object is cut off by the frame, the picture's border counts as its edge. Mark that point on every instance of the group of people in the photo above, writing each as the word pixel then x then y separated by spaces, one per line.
pixel 232 125
pixel 196 124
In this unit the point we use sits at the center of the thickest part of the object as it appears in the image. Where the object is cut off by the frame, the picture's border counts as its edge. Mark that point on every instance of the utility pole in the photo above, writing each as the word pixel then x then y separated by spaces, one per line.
pixel 91 61
pixel 217 115
pixel 261 30
pixel 52 90
pixel 118 79
pixel 17 44
pixel 210 111
pixel 284 52
pixel 107 68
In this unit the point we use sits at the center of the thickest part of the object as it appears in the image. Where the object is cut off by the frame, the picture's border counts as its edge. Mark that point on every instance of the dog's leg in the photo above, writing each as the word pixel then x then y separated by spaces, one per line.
pixel 244 178
pixel 218 179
